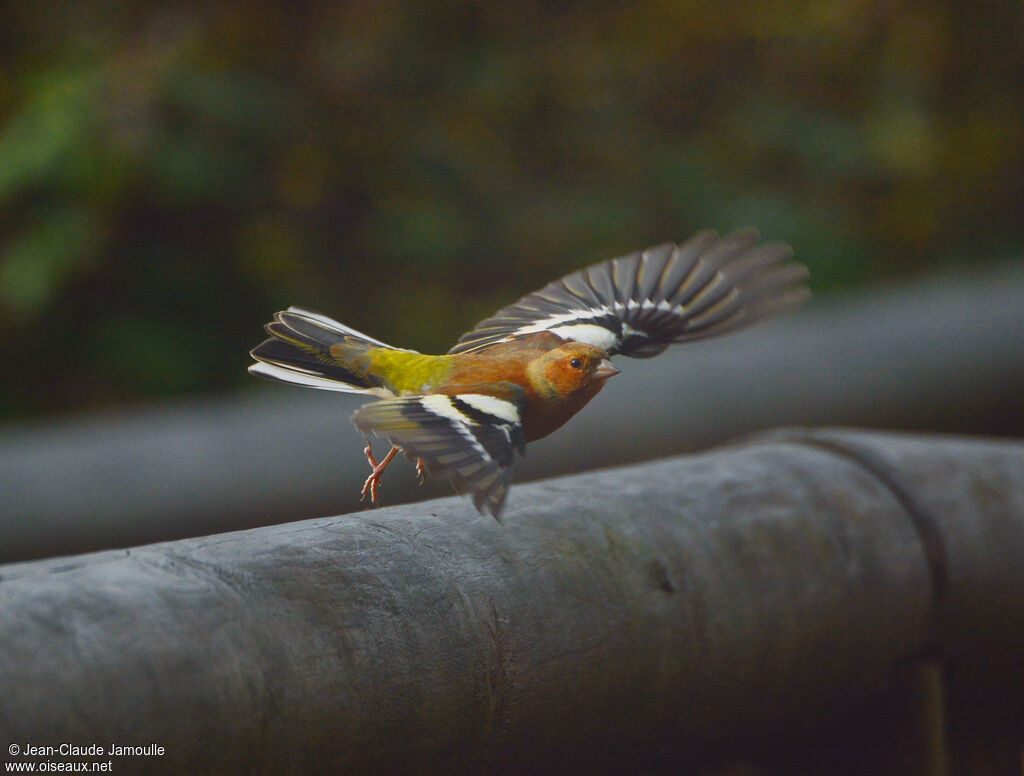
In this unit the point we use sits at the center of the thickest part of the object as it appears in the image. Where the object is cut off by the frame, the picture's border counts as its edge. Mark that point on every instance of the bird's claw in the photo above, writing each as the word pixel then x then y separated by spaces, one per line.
pixel 372 484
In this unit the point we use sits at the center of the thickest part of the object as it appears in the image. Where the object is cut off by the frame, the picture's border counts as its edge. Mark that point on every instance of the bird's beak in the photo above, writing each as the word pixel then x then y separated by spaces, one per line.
pixel 605 369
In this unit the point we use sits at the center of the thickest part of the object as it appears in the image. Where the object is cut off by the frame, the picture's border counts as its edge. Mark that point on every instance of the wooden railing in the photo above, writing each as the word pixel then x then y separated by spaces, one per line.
pixel 630 619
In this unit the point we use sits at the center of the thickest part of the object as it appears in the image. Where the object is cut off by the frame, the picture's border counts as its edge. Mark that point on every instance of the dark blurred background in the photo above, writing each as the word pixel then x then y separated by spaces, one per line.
pixel 170 176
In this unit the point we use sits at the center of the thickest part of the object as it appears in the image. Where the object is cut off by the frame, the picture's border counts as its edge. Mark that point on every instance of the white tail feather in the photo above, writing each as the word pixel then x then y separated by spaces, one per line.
pixel 297 377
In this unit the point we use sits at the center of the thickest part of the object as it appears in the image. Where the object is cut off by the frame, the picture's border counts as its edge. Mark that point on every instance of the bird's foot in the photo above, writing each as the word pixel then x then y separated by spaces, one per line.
pixel 421 471
pixel 372 484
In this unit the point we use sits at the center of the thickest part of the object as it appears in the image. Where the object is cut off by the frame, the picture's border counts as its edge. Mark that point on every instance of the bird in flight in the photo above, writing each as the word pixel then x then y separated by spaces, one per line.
pixel 523 372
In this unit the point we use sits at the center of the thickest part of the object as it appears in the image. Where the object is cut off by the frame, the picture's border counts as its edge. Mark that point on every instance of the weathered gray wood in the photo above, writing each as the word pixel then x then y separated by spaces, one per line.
pixel 646 614
pixel 942 354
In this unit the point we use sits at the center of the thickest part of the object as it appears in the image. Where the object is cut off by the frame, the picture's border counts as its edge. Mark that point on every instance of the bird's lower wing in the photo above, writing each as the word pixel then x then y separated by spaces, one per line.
pixel 470 439
pixel 638 304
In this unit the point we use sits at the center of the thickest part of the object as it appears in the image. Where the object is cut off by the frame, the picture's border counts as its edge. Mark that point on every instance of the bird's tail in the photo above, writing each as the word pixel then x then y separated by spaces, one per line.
pixel 310 349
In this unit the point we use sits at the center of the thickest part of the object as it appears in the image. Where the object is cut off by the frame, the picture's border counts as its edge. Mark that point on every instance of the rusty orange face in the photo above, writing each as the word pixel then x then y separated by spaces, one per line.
pixel 575 365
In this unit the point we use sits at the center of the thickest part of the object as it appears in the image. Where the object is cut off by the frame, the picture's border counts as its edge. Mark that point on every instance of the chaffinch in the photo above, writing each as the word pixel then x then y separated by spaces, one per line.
pixel 523 372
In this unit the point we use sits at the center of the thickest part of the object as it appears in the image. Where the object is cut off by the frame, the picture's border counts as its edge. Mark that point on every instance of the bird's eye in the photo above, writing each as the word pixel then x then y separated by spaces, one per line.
pixel 575 363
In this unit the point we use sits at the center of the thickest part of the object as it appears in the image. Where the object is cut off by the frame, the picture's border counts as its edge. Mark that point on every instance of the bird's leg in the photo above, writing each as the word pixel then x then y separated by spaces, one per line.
pixel 372 484
pixel 421 471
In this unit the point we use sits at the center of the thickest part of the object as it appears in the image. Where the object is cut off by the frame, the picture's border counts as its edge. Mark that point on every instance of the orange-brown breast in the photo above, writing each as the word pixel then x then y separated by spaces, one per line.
pixel 542 418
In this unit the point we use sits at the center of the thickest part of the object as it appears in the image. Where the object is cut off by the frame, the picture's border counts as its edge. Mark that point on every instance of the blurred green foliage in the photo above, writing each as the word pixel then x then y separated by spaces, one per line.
pixel 171 175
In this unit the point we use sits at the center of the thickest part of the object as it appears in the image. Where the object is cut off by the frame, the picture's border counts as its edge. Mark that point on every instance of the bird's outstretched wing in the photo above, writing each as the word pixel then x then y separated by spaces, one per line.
pixel 638 304
pixel 469 438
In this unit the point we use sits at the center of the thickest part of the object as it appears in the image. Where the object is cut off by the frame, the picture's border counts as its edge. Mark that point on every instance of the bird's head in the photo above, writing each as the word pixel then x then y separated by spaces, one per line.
pixel 574 366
